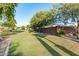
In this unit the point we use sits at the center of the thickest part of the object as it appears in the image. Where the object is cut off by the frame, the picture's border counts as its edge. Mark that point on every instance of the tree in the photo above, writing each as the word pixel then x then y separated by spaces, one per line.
pixel 11 24
pixel 70 11
pixel 22 27
pixel 1 23
pixel 41 19
pixel 7 11
pixel 28 28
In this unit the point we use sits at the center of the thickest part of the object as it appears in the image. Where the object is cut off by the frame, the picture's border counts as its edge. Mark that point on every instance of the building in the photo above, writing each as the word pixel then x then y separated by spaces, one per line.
pixel 53 29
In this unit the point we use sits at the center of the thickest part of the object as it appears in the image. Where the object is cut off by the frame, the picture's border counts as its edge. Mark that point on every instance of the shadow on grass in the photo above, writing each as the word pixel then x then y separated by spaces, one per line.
pixel 13 50
pixel 49 48
pixel 13 33
pixel 72 39
pixel 64 49
pixel 38 35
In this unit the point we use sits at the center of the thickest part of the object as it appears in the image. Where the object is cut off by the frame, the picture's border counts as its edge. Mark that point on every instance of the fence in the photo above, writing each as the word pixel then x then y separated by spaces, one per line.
pixel 4 47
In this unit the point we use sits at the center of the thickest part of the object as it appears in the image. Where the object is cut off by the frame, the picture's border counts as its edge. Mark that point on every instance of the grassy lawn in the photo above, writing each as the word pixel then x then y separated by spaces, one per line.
pixel 31 44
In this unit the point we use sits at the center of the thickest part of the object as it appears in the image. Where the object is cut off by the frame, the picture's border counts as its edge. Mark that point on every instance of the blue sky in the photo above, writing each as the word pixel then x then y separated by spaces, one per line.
pixel 25 11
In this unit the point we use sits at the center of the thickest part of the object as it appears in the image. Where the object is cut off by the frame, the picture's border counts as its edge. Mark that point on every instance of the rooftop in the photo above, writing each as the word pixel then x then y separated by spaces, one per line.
pixel 55 25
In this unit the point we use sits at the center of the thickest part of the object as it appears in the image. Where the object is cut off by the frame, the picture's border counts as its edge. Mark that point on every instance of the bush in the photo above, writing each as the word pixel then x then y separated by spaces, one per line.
pixel 5 32
pixel 17 31
pixel 61 32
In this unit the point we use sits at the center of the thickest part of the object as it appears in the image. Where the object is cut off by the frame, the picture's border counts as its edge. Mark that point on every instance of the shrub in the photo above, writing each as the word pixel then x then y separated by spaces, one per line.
pixel 5 32
pixel 17 31
pixel 61 32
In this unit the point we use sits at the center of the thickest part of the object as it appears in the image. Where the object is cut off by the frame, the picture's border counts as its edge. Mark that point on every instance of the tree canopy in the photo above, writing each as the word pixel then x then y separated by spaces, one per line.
pixel 69 11
pixel 41 19
pixel 10 24
pixel 7 10
pixel 58 13
pixel 7 13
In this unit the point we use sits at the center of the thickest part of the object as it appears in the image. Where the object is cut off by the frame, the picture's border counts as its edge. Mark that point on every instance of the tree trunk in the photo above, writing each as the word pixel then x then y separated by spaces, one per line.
pixel 77 34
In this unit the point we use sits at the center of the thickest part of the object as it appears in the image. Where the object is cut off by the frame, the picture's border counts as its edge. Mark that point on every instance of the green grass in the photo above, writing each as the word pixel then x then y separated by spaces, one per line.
pixel 32 44
pixel 28 44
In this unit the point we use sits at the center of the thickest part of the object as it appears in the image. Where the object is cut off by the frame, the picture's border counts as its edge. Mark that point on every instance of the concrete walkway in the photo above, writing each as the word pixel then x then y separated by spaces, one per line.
pixel 4 47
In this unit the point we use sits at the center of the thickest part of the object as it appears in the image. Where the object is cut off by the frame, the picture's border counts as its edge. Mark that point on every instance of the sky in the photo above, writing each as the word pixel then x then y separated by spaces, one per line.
pixel 25 11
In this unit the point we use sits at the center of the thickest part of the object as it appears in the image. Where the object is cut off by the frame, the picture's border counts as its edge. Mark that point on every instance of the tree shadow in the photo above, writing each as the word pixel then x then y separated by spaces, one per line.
pixel 13 33
pixel 13 50
pixel 64 49
pixel 49 48
pixel 72 39
pixel 39 35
